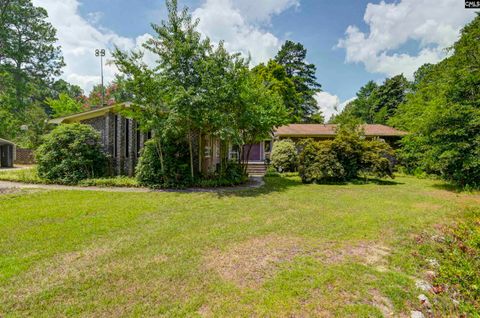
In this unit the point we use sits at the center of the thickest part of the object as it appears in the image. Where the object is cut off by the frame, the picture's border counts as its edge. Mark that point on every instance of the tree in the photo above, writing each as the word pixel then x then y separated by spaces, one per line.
pixel 196 90
pixel 29 59
pixel 64 105
pixel 375 104
pixel 292 56
pixel 442 114
pixel 388 97
pixel 275 78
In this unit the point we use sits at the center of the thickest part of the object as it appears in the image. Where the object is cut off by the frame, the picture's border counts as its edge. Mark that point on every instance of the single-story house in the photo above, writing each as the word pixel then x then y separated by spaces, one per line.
pixel 123 141
pixel 7 153
pixel 259 153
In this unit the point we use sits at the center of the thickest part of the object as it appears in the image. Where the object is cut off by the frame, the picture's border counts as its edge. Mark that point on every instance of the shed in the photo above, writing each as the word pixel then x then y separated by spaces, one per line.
pixel 7 153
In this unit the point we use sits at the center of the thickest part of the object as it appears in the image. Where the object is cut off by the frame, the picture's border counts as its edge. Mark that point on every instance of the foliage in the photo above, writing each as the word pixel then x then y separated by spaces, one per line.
pixel 443 115
pixel 64 105
pixel 117 181
pixel 457 249
pixel 375 104
pixel 318 162
pixel 284 156
pixel 292 56
pixel 196 90
pixel 171 172
pixel 71 153
pixel 345 158
pixel 27 66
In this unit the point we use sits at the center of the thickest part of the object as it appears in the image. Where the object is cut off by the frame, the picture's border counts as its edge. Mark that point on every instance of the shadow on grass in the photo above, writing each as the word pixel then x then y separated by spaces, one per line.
pixel 283 183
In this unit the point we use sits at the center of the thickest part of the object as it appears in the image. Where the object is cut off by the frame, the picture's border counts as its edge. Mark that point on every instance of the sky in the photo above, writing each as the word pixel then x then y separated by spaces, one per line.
pixel 349 41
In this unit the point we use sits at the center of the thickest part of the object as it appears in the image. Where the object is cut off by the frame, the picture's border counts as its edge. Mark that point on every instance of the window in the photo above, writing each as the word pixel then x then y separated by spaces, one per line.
pixel 208 151
pixel 234 153
pixel 127 137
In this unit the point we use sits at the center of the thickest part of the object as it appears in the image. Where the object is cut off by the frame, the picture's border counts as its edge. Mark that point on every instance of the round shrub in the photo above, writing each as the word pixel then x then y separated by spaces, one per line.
pixel 71 153
pixel 319 163
pixel 284 156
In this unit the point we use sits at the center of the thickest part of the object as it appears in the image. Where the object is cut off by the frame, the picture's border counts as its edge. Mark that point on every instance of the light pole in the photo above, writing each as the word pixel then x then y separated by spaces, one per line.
pixel 101 53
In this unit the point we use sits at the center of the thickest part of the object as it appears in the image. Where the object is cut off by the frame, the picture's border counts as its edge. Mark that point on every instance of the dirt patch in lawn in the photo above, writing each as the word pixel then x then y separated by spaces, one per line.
pixel 427 206
pixel 249 263
pixel 368 253
pixel 252 262
pixel 382 303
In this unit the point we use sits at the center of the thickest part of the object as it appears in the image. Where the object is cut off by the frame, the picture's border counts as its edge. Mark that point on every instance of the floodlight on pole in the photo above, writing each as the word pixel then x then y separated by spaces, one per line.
pixel 101 53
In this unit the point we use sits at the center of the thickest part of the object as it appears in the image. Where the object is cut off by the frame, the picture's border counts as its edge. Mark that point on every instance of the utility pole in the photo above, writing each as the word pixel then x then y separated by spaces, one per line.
pixel 101 53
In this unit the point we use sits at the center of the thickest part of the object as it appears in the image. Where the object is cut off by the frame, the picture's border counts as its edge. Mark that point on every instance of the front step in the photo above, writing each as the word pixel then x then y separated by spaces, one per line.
pixel 256 169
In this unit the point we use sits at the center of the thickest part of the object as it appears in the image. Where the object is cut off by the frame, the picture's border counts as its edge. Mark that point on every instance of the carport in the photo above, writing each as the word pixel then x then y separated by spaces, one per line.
pixel 7 153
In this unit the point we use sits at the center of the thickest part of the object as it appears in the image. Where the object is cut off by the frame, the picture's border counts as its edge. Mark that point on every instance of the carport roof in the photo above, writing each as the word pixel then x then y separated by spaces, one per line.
pixel 6 142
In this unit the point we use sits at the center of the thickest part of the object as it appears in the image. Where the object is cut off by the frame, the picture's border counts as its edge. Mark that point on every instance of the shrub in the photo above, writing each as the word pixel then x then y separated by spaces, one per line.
pixel 284 156
pixel 344 158
pixel 319 163
pixel 175 172
pixel 71 153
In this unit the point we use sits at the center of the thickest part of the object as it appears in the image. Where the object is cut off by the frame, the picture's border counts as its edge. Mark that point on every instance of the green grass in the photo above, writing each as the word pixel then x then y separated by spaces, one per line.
pixel 284 250
pixel 30 175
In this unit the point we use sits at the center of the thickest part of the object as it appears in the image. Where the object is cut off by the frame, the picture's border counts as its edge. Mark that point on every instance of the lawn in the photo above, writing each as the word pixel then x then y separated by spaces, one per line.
pixel 286 250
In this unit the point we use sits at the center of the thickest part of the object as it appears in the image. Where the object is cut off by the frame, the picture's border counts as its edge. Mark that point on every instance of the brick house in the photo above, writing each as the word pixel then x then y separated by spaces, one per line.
pixel 120 137
pixel 123 141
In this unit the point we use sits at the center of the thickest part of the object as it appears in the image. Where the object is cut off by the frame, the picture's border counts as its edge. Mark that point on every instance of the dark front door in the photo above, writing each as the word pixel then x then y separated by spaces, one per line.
pixel 254 152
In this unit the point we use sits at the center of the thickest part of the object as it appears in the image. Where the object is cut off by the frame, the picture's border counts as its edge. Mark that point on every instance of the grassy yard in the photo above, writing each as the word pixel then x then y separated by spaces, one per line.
pixel 287 250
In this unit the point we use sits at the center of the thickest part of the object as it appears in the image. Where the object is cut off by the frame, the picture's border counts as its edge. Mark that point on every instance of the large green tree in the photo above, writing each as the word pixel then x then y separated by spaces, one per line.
pixel 29 61
pixel 375 104
pixel 196 90
pixel 292 56
pixel 443 114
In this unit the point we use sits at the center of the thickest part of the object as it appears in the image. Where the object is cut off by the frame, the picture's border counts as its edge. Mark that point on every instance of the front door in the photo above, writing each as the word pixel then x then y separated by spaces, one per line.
pixel 254 152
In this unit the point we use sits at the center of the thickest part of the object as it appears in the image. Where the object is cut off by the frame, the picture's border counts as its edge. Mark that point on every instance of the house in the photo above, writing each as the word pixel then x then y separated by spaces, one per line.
pixel 260 152
pixel 123 141
pixel 7 153
pixel 120 137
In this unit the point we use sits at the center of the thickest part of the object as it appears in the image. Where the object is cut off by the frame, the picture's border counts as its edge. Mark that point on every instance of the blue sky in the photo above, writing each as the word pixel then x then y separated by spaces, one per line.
pixel 350 41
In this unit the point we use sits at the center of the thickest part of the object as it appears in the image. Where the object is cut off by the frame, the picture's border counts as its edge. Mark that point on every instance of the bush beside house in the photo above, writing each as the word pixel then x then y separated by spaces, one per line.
pixel 345 158
pixel 71 153
pixel 284 156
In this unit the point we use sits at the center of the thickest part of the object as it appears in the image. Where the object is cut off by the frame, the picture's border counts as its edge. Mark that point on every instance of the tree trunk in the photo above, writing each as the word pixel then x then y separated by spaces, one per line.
pixel 190 148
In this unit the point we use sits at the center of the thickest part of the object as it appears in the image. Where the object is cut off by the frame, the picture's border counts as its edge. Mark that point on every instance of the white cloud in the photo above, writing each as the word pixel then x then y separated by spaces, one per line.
pixel 435 24
pixel 330 104
pixel 239 24
pixel 78 38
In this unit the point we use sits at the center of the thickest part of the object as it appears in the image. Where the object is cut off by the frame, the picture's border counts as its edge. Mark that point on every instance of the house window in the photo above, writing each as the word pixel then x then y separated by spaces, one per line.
pixel 208 151
pixel 127 137
pixel 234 153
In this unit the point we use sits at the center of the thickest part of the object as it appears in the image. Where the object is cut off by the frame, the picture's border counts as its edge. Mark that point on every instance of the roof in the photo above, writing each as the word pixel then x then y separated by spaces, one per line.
pixel 4 141
pixel 321 130
pixel 88 114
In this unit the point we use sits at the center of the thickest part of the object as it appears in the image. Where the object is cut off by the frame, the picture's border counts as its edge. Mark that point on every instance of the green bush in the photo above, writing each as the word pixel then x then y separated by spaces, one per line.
pixel 319 163
pixel 71 153
pixel 284 156
pixel 345 158
pixel 176 169
pixel 175 172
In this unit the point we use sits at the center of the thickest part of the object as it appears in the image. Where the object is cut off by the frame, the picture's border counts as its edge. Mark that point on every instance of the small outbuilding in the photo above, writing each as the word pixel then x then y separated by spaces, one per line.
pixel 7 153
